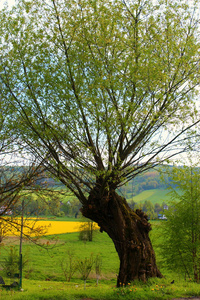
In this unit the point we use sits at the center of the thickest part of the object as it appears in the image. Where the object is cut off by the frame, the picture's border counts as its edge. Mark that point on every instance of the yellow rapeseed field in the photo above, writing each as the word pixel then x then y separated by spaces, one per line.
pixel 35 227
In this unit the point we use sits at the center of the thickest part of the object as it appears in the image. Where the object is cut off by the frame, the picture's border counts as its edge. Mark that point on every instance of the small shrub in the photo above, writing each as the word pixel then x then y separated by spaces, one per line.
pixel 85 267
pixel 60 214
pixel 69 266
pixel 10 264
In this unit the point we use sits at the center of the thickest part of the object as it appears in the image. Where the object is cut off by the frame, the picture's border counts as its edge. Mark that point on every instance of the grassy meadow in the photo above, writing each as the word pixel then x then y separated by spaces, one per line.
pixel 154 195
pixel 43 276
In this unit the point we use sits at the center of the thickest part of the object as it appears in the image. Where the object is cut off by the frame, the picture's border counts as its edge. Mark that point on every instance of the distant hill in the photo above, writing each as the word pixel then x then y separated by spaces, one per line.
pixel 150 181
pixel 154 195
pixel 149 185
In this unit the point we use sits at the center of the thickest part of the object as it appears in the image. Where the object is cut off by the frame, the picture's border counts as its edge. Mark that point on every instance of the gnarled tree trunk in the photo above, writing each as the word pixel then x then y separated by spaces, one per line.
pixel 129 231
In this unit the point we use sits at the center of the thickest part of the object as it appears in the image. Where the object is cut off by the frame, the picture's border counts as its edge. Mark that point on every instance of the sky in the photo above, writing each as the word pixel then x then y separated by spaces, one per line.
pixel 10 3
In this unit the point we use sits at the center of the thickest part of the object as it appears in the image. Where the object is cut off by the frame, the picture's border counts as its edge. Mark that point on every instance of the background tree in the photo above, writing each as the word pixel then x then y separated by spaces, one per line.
pixel 17 181
pixel 148 208
pixel 13 175
pixel 87 229
pixel 99 90
pixel 181 246
pixel 157 208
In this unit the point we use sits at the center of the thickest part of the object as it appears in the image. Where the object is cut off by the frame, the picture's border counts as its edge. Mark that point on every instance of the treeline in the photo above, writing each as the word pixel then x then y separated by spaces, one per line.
pixel 56 204
pixel 152 179
pixel 44 203
pixel 43 178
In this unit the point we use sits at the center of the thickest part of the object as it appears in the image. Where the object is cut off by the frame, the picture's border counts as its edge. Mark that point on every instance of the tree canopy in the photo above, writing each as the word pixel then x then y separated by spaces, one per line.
pixel 96 86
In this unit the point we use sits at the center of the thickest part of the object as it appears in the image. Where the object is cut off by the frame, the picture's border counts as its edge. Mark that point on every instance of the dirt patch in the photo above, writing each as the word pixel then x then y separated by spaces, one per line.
pixel 15 240
pixel 10 240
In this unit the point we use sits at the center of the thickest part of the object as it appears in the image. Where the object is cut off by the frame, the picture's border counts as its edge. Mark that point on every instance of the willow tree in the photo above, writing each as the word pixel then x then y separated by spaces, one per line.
pixel 102 91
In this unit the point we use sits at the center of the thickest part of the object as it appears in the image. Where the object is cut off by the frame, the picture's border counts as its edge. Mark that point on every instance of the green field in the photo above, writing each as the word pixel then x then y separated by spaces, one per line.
pixel 43 277
pixel 154 195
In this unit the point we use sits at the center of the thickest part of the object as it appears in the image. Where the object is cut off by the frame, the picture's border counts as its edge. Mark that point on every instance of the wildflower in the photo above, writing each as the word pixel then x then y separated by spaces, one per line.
pixel 152 289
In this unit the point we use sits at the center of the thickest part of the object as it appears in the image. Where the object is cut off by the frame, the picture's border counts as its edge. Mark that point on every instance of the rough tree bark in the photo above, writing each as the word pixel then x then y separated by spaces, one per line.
pixel 129 231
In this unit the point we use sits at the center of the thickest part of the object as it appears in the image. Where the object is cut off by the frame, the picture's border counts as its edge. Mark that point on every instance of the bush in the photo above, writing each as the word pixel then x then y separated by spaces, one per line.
pixel 10 264
pixel 85 267
pixel 87 231
pixel 69 265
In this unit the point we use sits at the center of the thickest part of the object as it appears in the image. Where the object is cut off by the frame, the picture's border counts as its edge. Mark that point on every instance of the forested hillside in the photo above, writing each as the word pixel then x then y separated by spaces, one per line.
pixel 147 191
pixel 150 180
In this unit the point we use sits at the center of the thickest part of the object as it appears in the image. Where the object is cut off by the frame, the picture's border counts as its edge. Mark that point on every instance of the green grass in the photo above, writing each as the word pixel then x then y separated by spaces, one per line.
pixel 155 196
pixel 46 263
pixel 154 289
pixel 45 279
